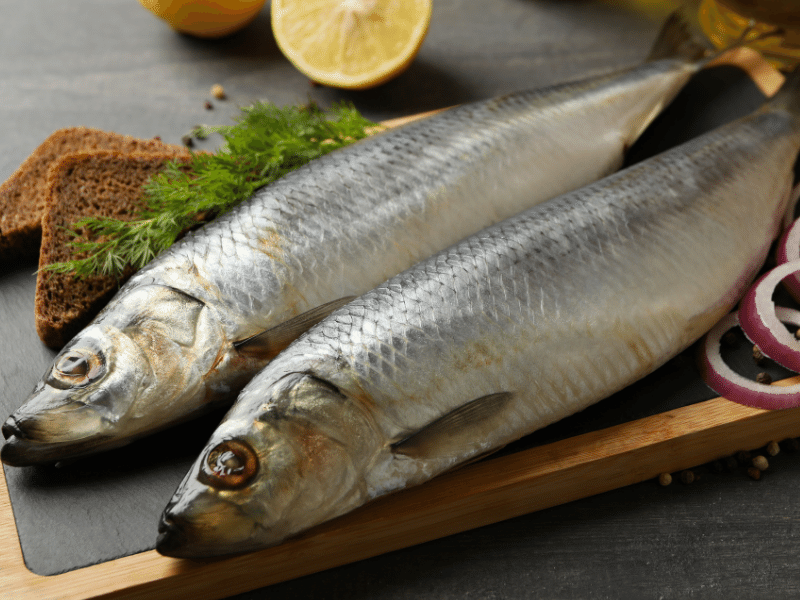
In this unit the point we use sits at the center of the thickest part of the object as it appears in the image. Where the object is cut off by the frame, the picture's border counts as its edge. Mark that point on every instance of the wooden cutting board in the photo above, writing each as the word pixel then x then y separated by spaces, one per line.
pixel 549 470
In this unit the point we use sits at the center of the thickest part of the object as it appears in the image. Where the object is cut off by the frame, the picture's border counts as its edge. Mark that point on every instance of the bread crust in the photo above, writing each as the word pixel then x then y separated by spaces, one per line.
pixel 97 183
pixel 22 196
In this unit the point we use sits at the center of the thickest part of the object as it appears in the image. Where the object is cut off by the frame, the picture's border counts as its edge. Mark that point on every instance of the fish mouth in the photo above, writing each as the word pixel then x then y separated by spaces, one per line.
pixel 21 449
pixel 11 429
pixel 190 533
pixel 178 539
pixel 172 539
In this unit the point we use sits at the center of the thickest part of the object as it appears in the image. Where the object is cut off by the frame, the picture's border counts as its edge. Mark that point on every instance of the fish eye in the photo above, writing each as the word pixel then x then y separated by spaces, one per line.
pixel 73 364
pixel 229 465
pixel 76 367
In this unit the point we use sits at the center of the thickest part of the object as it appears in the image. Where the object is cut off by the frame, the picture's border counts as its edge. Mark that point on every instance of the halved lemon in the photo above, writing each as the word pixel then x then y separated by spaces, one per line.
pixel 205 18
pixel 352 44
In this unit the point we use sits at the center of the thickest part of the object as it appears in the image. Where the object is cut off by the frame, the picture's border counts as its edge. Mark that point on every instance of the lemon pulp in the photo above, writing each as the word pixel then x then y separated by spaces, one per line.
pixel 352 44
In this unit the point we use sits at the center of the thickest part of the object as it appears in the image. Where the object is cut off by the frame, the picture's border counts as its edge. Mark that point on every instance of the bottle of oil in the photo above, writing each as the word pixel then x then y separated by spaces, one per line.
pixel 724 21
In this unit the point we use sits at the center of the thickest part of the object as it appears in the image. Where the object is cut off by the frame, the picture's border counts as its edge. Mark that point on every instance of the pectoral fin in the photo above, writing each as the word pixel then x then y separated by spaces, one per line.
pixel 449 434
pixel 268 344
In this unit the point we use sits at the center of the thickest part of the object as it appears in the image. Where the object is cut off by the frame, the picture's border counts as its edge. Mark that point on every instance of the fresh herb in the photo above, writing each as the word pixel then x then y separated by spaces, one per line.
pixel 265 143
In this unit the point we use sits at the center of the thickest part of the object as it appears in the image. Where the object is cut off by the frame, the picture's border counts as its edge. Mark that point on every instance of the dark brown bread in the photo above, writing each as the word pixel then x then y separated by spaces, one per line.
pixel 100 183
pixel 22 196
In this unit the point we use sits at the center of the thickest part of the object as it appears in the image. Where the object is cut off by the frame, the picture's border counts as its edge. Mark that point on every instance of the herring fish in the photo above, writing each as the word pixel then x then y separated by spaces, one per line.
pixel 190 329
pixel 514 328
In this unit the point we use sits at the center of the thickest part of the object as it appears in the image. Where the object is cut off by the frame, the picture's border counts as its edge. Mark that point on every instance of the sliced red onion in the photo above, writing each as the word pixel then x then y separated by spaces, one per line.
pixel 760 324
pixel 729 384
pixel 788 251
pixel 789 243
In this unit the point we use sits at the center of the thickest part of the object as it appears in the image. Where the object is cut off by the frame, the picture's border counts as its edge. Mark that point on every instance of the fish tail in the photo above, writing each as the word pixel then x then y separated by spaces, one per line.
pixel 682 37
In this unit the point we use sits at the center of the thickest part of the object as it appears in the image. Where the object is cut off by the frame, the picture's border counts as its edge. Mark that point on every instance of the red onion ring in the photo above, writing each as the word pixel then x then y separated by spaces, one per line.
pixel 732 386
pixel 761 325
pixel 789 250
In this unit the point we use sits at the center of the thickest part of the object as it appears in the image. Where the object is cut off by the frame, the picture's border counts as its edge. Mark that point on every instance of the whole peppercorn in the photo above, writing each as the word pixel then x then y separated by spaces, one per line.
pixel 764 378
pixel 758 356
pixel 760 463
pixel 754 473
pixel 773 448
pixel 218 91
pixel 664 479
pixel 687 477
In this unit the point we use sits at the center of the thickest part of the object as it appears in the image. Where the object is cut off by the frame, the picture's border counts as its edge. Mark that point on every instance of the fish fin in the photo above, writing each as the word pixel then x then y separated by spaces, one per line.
pixel 269 343
pixel 680 37
pixel 445 435
pixel 479 457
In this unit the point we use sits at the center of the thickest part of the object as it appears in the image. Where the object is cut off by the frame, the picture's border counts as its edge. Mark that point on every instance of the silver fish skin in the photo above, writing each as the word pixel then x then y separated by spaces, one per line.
pixel 510 330
pixel 187 331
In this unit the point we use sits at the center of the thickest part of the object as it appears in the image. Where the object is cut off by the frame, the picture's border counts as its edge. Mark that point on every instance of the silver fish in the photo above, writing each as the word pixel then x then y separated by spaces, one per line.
pixel 514 328
pixel 188 331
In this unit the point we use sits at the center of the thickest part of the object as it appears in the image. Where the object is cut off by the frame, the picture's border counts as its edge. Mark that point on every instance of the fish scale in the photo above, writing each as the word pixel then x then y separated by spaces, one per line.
pixel 408 162
pixel 513 328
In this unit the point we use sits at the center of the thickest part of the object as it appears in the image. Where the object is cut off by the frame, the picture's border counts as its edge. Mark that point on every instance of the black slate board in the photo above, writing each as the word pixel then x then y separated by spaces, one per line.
pixel 107 506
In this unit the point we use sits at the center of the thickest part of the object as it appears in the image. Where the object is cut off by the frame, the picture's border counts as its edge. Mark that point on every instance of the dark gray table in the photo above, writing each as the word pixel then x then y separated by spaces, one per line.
pixel 112 65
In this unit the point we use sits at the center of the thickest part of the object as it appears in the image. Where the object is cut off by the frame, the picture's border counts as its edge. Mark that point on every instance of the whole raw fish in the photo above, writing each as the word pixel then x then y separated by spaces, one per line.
pixel 515 327
pixel 191 328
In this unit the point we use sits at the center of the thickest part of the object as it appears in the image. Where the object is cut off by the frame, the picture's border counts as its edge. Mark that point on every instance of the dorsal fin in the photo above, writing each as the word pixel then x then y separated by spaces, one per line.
pixel 446 435
pixel 269 343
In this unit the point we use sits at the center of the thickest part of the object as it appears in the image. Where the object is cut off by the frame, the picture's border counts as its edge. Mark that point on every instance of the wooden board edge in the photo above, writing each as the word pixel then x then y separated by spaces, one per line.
pixel 477 495
pixel 764 75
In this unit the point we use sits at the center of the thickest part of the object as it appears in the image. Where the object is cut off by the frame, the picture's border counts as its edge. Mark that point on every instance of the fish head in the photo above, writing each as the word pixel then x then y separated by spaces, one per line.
pixel 270 471
pixel 77 404
pixel 111 382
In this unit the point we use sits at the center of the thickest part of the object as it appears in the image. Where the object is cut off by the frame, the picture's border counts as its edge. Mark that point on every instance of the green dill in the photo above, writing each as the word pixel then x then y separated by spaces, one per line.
pixel 265 143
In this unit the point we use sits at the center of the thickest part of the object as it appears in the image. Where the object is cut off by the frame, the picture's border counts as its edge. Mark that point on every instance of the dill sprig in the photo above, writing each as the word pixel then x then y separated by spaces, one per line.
pixel 265 143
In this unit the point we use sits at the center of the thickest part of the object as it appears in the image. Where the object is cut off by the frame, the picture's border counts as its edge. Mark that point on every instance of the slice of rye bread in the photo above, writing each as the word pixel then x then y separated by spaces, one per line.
pixel 22 196
pixel 100 183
